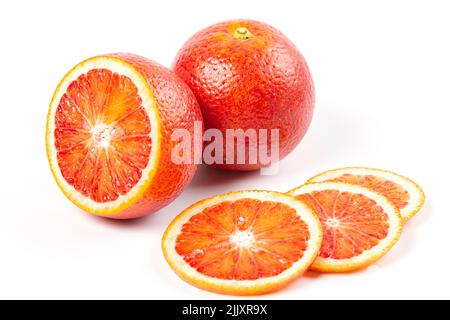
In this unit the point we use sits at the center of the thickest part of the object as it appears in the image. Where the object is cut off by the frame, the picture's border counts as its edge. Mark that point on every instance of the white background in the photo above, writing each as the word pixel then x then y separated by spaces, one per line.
pixel 382 75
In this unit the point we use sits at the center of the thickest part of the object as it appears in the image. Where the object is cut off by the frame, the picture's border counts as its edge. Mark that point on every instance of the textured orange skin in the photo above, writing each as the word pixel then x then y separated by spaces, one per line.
pixel 262 82
pixel 178 109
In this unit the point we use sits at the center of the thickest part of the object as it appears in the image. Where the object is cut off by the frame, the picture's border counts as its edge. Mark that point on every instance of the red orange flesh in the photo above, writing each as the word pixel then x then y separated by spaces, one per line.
pixel 404 193
pixel 243 243
pixel 352 222
pixel 102 135
pixel 109 135
pixel 359 225
pixel 243 240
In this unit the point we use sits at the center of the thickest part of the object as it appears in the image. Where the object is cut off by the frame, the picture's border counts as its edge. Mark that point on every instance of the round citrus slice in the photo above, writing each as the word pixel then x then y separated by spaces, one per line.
pixel 359 225
pixel 243 243
pixel 109 132
pixel 404 193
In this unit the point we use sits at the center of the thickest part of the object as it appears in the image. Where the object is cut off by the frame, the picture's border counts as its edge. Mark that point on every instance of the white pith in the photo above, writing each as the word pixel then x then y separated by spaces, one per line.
pixel 187 272
pixel 394 221
pixel 333 223
pixel 242 239
pixel 415 194
pixel 102 134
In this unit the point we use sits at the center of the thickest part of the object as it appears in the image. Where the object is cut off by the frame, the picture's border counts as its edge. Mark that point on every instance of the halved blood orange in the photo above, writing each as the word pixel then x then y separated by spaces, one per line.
pixel 406 195
pixel 109 132
pixel 243 243
pixel 359 225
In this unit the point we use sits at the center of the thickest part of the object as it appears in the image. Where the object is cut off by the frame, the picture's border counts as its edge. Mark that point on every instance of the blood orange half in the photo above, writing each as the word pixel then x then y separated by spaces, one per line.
pixel 243 243
pixel 404 193
pixel 359 225
pixel 109 135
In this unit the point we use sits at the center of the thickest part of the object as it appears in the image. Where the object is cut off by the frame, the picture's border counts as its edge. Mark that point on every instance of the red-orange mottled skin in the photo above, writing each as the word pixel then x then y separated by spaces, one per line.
pixel 253 80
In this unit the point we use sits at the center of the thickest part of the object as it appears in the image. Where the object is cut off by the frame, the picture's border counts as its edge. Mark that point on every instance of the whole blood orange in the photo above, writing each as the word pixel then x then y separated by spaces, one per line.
pixel 109 132
pixel 248 75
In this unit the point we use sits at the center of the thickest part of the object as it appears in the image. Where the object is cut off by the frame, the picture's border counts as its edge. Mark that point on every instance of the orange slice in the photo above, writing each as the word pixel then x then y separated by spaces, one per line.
pixel 406 195
pixel 108 126
pixel 243 243
pixel 359 225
